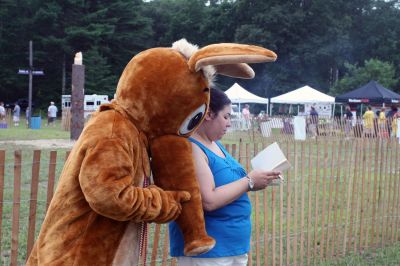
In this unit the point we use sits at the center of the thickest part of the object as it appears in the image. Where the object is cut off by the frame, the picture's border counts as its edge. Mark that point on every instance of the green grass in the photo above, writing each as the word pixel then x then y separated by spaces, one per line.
pixel 23 133
pixel 380 256
pixel 26 170
pixel 374 256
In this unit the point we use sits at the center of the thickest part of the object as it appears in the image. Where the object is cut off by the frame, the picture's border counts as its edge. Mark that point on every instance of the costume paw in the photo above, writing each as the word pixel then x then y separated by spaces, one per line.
pixel 199 246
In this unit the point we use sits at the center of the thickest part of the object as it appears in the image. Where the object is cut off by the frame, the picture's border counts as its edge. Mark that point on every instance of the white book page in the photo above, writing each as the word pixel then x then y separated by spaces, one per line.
pixel 271 159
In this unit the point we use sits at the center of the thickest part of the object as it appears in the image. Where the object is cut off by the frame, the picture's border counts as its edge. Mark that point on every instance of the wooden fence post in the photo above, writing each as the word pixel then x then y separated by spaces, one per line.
pixel 2 168
pixel 16 208
pixel 51 180
pixel 33 201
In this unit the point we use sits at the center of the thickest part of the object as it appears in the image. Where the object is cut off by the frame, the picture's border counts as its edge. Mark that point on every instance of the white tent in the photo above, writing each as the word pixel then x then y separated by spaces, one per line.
pixel 303 95
pixel 307 96
pixel 237 94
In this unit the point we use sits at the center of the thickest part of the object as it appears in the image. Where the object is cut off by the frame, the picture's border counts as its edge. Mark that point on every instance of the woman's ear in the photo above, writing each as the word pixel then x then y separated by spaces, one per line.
pixel 209 115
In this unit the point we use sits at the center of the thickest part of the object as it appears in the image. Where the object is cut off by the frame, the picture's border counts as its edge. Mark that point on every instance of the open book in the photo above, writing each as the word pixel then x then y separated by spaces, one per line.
pixel 271 159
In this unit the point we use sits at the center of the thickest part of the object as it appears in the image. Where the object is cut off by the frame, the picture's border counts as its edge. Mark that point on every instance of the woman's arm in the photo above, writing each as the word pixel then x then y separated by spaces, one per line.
pixel 214 198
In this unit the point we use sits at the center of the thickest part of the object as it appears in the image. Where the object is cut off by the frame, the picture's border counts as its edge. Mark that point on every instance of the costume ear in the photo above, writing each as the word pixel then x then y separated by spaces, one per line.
pixel 231 59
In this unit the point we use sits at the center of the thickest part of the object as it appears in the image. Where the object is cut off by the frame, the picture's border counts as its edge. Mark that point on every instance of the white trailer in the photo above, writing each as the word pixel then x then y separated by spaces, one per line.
pixel 91 102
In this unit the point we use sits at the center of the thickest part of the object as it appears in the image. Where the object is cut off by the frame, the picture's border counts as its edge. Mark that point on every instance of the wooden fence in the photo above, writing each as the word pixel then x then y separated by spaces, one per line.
pixel 340 196
pixel 282 128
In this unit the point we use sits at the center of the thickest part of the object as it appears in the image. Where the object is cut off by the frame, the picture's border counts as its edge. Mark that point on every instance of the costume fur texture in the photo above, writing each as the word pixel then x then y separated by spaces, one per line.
pixel 162 96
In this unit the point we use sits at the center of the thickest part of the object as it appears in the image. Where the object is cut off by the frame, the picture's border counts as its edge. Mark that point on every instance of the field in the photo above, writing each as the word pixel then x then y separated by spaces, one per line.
pixel 58 140
pixel 23 133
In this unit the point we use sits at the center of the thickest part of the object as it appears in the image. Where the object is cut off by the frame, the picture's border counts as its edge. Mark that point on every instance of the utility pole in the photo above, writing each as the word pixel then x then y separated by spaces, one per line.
pixel 31 72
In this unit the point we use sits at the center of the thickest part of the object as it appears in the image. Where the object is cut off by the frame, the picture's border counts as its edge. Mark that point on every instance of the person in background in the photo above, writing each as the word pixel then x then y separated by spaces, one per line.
pixel 2 112
pixel 368 122
pixel 348 116
pixel 382 123
pixel 3 122
pixel 262 116
pixel 16 114
pixel 390 118
pixel 27 115
pixel 313 126
pixel 246 116
pixel 223 185
pixel 394 117
pixel 51 114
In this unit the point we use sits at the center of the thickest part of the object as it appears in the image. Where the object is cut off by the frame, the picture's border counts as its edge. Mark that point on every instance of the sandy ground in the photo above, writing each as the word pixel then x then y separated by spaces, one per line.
pixel 41 143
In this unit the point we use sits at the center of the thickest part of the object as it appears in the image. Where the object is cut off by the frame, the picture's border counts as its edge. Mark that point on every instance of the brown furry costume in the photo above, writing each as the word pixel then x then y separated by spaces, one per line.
pixel 161 98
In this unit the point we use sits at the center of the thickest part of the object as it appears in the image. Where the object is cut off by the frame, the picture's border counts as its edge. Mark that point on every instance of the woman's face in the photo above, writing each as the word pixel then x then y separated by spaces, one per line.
pixel 219 123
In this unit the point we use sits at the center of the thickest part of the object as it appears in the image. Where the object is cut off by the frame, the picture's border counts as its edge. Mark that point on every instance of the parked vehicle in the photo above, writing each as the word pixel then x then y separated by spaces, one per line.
pixel 90 104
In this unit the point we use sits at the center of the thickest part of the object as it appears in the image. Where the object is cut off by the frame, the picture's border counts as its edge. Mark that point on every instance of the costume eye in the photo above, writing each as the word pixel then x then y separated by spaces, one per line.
pixel 192 120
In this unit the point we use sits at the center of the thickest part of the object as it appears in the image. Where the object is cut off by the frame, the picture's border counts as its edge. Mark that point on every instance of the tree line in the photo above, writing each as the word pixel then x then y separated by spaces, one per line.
pixel 331 45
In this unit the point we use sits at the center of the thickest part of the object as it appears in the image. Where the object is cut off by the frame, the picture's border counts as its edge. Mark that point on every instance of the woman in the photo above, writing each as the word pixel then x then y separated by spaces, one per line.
pixel 223 184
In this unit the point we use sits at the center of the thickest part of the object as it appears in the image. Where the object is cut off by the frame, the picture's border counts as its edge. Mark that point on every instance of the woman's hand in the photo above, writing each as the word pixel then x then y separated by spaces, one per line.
pixel 262 179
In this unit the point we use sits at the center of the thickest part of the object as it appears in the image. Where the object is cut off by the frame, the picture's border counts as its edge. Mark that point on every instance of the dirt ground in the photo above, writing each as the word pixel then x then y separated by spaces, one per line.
pixel 40 143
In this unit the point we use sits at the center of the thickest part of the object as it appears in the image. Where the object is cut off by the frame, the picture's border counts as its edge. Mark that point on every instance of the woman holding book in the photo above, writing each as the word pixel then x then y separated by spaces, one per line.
pixel 223 184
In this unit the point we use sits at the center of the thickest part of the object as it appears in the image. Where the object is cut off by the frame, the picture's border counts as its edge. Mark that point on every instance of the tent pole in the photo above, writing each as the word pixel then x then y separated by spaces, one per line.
pixel 270 109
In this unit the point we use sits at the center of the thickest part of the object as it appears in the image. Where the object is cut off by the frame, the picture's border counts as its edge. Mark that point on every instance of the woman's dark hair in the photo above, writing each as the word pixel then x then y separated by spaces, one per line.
pixel 218 100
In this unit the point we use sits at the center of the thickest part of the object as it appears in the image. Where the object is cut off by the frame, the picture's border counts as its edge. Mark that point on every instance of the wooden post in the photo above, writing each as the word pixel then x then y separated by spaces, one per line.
pixel 295 201
pixel 165 246
pixel 330 207
pixel 316 213
pixel 288 203
pixel 362 206
pixel 16 208
pixel 302 212
pixel 337 199
pixel 51 180
pixel 77 98
pixel 266 226
pixel 375 191
pixel 309 191
pixel 397 173
pixel 348 193
pixel 324 177
pixel 33 202
pixel 2 170
pixel 257 213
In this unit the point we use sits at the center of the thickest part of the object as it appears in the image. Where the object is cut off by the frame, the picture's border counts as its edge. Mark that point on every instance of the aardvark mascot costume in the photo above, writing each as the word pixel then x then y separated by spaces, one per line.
pixel 162 96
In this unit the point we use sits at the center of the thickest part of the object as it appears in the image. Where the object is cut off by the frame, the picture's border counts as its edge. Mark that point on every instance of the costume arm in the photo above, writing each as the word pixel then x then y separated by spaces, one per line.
pixel 107 181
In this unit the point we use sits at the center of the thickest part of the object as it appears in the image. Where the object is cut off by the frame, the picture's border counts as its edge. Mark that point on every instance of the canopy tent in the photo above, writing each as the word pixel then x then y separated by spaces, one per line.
pixel 372 92
pixel 307 96
pixel 303 95
pixel 237 94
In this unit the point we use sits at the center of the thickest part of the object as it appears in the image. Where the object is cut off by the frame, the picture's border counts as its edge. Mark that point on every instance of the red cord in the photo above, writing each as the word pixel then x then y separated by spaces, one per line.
pixel 143 232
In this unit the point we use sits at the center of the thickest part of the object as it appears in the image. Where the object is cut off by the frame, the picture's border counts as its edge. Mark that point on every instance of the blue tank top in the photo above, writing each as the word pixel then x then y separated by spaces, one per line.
pixel 230 225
